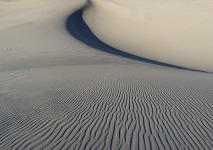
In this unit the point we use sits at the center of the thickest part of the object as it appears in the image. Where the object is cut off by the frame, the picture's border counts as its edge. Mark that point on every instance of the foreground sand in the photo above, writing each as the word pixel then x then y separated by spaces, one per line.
pixel 58 93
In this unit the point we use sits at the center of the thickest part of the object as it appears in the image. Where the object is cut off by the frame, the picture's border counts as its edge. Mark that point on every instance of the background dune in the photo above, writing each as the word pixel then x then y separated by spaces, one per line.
pixel 173 32
pixel 59 93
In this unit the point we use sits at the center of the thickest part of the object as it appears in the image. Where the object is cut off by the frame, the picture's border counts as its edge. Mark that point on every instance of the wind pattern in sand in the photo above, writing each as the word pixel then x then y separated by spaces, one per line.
pixel 59 93
pixel 116 107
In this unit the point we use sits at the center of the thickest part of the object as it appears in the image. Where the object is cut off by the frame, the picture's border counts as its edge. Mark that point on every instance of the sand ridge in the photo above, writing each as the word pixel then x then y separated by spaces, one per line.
pixel 172 32
pixel 58 93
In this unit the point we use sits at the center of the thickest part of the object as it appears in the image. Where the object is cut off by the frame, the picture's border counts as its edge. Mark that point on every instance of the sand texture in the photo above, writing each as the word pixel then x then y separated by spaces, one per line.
pixel 175 32
pixel 62 88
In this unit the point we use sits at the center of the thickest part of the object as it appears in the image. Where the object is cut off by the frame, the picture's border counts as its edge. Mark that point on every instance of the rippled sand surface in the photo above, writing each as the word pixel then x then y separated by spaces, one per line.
pixel 59 93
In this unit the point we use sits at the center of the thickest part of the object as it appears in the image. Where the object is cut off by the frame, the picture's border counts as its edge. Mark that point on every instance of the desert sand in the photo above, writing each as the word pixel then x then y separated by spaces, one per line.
pixel 62 88
pixel 176 32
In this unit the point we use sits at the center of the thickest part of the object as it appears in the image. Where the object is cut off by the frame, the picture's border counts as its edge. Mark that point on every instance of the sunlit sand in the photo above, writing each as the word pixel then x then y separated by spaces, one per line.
pixel 63 88
pixel 173 32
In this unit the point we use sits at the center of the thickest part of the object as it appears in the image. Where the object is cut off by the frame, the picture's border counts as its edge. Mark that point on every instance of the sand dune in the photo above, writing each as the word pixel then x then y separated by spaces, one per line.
pixel 79 29
pixel 59 93
pixel 173 32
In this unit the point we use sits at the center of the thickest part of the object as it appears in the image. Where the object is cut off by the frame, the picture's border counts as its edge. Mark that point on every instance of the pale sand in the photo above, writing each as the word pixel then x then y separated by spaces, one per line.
pixel 176 32
pixel 57 93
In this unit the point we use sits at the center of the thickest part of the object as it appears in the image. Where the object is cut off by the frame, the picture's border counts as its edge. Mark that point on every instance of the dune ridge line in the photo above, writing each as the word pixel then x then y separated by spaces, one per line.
pixel 174 32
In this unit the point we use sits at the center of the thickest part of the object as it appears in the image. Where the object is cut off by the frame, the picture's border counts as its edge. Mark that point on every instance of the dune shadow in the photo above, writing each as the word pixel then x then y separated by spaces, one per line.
pixel 79 29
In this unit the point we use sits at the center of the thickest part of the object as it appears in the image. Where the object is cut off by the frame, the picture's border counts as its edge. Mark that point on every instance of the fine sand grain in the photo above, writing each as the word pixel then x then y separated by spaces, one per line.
pixel 59 93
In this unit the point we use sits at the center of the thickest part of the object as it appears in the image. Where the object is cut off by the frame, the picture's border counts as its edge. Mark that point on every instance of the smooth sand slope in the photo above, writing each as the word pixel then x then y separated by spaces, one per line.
pixel 79 29
pixel 58 93
pixel 175 32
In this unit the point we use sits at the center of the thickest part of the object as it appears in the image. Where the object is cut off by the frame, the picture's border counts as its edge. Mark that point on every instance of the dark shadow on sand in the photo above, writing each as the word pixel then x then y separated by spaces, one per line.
pixel 78 29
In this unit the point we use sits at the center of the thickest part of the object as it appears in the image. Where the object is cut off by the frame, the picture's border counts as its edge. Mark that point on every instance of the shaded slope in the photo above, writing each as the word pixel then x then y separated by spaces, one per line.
pixel 78 29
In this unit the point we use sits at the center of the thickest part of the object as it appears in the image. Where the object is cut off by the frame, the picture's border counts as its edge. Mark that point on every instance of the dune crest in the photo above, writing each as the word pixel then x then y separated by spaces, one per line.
pixel 174 32
pixel 56 93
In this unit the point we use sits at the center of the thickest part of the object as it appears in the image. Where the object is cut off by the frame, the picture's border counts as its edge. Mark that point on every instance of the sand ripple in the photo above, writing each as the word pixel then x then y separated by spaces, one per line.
pixel 111 107
pixel 58 93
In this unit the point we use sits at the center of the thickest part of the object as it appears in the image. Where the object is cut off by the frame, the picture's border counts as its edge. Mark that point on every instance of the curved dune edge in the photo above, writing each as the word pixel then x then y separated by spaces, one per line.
pixel 79 29
pixel 58 93
pixel 175 33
